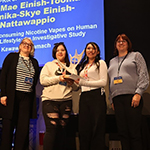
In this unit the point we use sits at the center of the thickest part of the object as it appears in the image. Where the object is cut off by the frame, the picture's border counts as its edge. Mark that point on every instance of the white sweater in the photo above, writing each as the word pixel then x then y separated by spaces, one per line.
pixel 53 89
pixel 96 78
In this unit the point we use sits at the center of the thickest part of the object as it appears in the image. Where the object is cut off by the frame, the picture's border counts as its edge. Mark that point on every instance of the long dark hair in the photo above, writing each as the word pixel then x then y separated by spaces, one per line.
pixel 55 50
pixel 85 59
pixel 124 37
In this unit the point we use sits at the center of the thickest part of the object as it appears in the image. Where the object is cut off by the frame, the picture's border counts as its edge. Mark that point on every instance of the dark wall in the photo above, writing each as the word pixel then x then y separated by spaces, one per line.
pixel 132 18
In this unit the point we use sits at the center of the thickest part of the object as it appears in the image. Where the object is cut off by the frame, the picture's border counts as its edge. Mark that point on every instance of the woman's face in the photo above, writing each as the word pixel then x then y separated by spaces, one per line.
pixel 91 52
pixel 122 45
pixel 61 53
pixel 25 47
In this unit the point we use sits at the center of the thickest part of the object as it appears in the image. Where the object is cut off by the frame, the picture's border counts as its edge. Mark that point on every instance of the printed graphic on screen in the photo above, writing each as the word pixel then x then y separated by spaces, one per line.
pixel 74 22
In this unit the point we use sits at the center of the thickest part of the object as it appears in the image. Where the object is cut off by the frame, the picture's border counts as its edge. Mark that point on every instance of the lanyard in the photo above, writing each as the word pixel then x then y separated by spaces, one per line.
pixel 119 65
pixel 29 67
pixel 86 70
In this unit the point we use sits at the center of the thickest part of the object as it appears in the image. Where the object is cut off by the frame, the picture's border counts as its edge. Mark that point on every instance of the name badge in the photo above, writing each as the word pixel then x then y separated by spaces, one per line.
pixel 28 80
pixel 118 80
pixel 63 83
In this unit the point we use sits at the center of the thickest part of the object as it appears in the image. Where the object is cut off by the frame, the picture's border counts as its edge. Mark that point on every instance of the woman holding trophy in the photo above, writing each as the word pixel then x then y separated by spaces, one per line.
pixel 92 106
pixel 56 98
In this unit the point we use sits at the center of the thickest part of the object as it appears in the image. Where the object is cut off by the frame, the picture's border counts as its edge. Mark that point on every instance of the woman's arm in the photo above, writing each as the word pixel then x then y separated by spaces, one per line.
pixel 102 77
pixel 46 77
pixel 143 77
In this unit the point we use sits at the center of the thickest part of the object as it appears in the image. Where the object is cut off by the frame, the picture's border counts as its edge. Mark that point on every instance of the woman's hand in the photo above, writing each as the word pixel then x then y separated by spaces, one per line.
pixel 112 105
pixel 77 81
pixel 136 100
pixel 69 81
pixel 4 100
pixel 61 78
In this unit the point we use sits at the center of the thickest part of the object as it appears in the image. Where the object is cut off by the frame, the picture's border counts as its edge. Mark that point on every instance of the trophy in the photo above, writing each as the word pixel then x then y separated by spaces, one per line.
pixel 74 61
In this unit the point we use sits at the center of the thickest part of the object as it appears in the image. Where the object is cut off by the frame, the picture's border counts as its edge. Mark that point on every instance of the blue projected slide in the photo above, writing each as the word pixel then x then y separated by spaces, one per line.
pixel 74 22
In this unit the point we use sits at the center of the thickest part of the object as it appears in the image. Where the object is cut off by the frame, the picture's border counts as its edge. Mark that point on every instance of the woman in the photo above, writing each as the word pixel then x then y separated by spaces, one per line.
pixel 19 76
pixel 92 106
pixel 128 80
pixel 56 99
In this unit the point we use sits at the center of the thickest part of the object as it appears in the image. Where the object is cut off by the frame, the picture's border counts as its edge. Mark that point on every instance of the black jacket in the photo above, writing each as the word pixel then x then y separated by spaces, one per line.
pixel 8 84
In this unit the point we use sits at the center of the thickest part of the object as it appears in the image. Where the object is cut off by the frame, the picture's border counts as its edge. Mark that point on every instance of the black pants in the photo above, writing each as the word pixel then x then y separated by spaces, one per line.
pixel 128 122
pixel 92 115
pixel 20 121
pixel 56 116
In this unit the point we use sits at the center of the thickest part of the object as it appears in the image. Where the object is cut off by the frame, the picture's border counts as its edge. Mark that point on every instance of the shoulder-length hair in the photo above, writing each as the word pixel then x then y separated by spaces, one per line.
pixel 55 50
pixel 32 46
pixel 124 37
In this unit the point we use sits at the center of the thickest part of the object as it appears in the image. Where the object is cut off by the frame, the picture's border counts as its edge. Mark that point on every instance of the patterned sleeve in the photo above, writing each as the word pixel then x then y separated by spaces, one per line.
pixel 143 80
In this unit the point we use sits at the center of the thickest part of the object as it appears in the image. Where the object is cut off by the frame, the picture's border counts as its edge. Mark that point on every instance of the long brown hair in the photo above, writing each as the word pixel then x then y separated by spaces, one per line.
pixel 55 50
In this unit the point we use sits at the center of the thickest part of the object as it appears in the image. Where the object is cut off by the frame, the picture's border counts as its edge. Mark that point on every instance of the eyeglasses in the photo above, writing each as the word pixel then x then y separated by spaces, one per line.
pixel 27 44
pixel 123 41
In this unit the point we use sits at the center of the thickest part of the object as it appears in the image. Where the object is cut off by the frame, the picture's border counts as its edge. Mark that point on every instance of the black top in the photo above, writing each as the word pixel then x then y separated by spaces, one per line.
pixel 8 84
